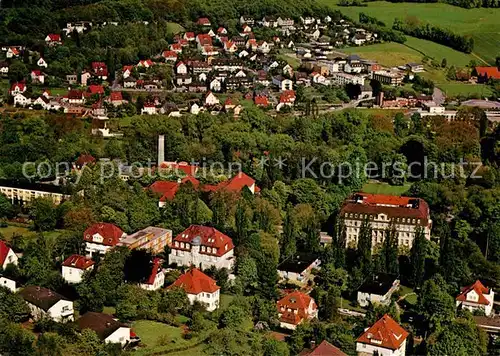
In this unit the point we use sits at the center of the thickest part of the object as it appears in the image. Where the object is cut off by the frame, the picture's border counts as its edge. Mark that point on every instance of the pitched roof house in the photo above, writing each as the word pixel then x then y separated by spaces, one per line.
pixel 385 337
pixel 199 287
pixel 202 246
pixel 74 266
pixel 486 73
pixel 156 279
pixel 7 256
pixel 106 327
pixel 294 308
pixel 101 237
pixel 53 39
pixel 324 349
pixel 45 303
pixel 203 21
pixel 476 297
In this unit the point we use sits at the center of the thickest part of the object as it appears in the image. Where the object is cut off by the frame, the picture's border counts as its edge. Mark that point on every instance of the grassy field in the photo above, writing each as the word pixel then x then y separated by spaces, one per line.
pixel 481 23
pixel 11 230
pixel 384 188
pixel 159 337
pixel 390 54
pixel 453 89
pixel 174 27
pixel 288 57
pixel 411 298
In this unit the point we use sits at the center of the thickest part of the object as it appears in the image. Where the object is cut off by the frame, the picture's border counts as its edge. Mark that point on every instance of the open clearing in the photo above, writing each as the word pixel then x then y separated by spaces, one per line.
pixel 384 188
pixel 482 24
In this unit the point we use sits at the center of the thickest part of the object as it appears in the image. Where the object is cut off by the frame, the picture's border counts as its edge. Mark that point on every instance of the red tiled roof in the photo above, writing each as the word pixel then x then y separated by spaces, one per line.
pixel 116 96
pixel 489 72
pixel 384 333
pixel 221 29
pixel 100 68
pixel 203 21
pixel 195 282
pixel 96 89
pixel 14 50
pixel 287 96
pixel 36 72
pixel 54 37
pixel 393 206
pixel 83 159
pixel 4 251
pixel 129 68
pixel 20 85
pixel 296 301
pixel 188 169
pixel 77 261
pixel 168 189
pixel 261 100
pixel 75 94
pixel 480 290
pixel 235 184
pixel 111 233
pixel 209 237
pixel 154 271
pixel 189 34
pixel 326 349
pixel 169 54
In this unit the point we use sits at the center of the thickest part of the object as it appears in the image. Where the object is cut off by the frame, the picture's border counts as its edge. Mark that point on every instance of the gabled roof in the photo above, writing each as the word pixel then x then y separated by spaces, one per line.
pixel 4 251
pixel 490 72
pixel 84 159
pixel 168 189
pixel 169 54
pixel 111 233
pixel 261 100
pixel 154 271
pixel 385 333
pixel 326 349
pixel 103 324
pixel 480 290
pixel 116 96
pixel 54 37
pixel 295 301
pixel 96 89
pixel 195 282
pixel 20 85
pixel 75 94
pixel 203 21
pixel 41 297
pixel 77 261
pixel 206 236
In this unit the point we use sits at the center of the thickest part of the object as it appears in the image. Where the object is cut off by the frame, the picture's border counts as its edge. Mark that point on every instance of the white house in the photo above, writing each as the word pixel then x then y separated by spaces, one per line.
pixel 21 100
pixel 45 303
pixel 41 63
pixel 8 283
pixel 199 287
pixel 385 338
pixel 101 237
pixel 37 76
pixel 282 83
pixel 4 68
pixel 216 85
pixel 377 289
pixel 74 266
pixel 181 68
pixel 12 52
pixel 295 308
pixel 149 109
pixel 7 256
pixel 17 88
pixel 298 269
pixel 211 99
pixel 156 279
pixel 195 109
pixel 476 297
pixel 202 246
pixel 106 327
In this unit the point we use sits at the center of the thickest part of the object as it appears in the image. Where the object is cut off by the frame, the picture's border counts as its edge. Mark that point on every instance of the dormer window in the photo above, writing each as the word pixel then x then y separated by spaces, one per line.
pixel 225 247
pixel 176 244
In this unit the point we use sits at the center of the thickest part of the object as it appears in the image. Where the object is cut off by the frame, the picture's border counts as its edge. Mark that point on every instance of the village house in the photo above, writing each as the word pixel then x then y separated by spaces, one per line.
pixel 389 77
pixel 72 79
pixel 17 88
pixel 342 79
pixel 12 52
pixel 211 99
pixel 107 329
pixel 41 63
pixel 74 267
pixel 7 256
pixel 156 279
pixel 203 21
pixel 53 39
pixel 4 68
pixel 385 337
pixel 21 100
pixel 323 349
pixel 37 77
pixel 149 109
pixel 45 303
pixel 476 297
pixel 247 19
pixel 298 268
pixel 189 36
pixel 22 193
pixel 202 246
pixel 116 99
pixel 282 83
pixel 377 289
pixel 268 21
pixel 8 283
pixel 261 100
pixel 295 308
pixel 199 287
pixel 76 97
pixel 169 56
pixel 285 21
pixel 404 213
pixel 151 238
pixel 484 74
pixel 287 98
pixel 101 237
pixel 84 77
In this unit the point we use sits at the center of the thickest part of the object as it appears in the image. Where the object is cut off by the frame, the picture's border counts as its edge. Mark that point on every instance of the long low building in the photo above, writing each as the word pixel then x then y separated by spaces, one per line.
pixel 22 193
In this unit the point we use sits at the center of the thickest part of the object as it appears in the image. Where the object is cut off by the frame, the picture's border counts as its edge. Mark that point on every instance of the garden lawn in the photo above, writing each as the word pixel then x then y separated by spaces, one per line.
pixel 159 337
pixel 390 54
pixel 11 230
pixel 174 27
pixel 454 89
pixel 482 24
pixel 384 188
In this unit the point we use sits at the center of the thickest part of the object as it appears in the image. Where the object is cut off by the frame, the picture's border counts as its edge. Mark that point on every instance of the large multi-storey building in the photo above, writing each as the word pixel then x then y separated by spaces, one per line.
pixel 151 238
pixel 384 212
pixel 23 193
pixel 204 247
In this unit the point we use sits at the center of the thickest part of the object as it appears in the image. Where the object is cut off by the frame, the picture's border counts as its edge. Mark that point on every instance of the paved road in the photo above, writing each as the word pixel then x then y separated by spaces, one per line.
pixel 438 96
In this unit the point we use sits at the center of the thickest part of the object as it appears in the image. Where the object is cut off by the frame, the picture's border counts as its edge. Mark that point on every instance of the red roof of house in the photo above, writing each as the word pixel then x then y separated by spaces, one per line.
pixel 384 333
pixel 169 54
pixel 204 39
pixel 14 50
pixel 261 100
pixel 295 301
pixel 77 261
pixel 129 68
pixel 54 37
pixel 490 72
pixel 84 159
pixel 36 72
pixel 179 63
pixel 208 237
pixel 20 85
pixel 480 290
pixel 195 282
pixel 221 30
pixel 96 89
pixel 100 68
pixel 168 189
pixel 4 251
pixel 326 349
pixel 111 233
pixel 116 96
pixel 189 170
pixel 154 271
pixel 75 94
pixel 235 184
pixel 391 205
pixel 189 35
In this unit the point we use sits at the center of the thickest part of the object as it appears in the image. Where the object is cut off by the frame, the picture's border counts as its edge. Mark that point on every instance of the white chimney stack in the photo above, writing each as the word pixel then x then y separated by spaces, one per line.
pixel 161 149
